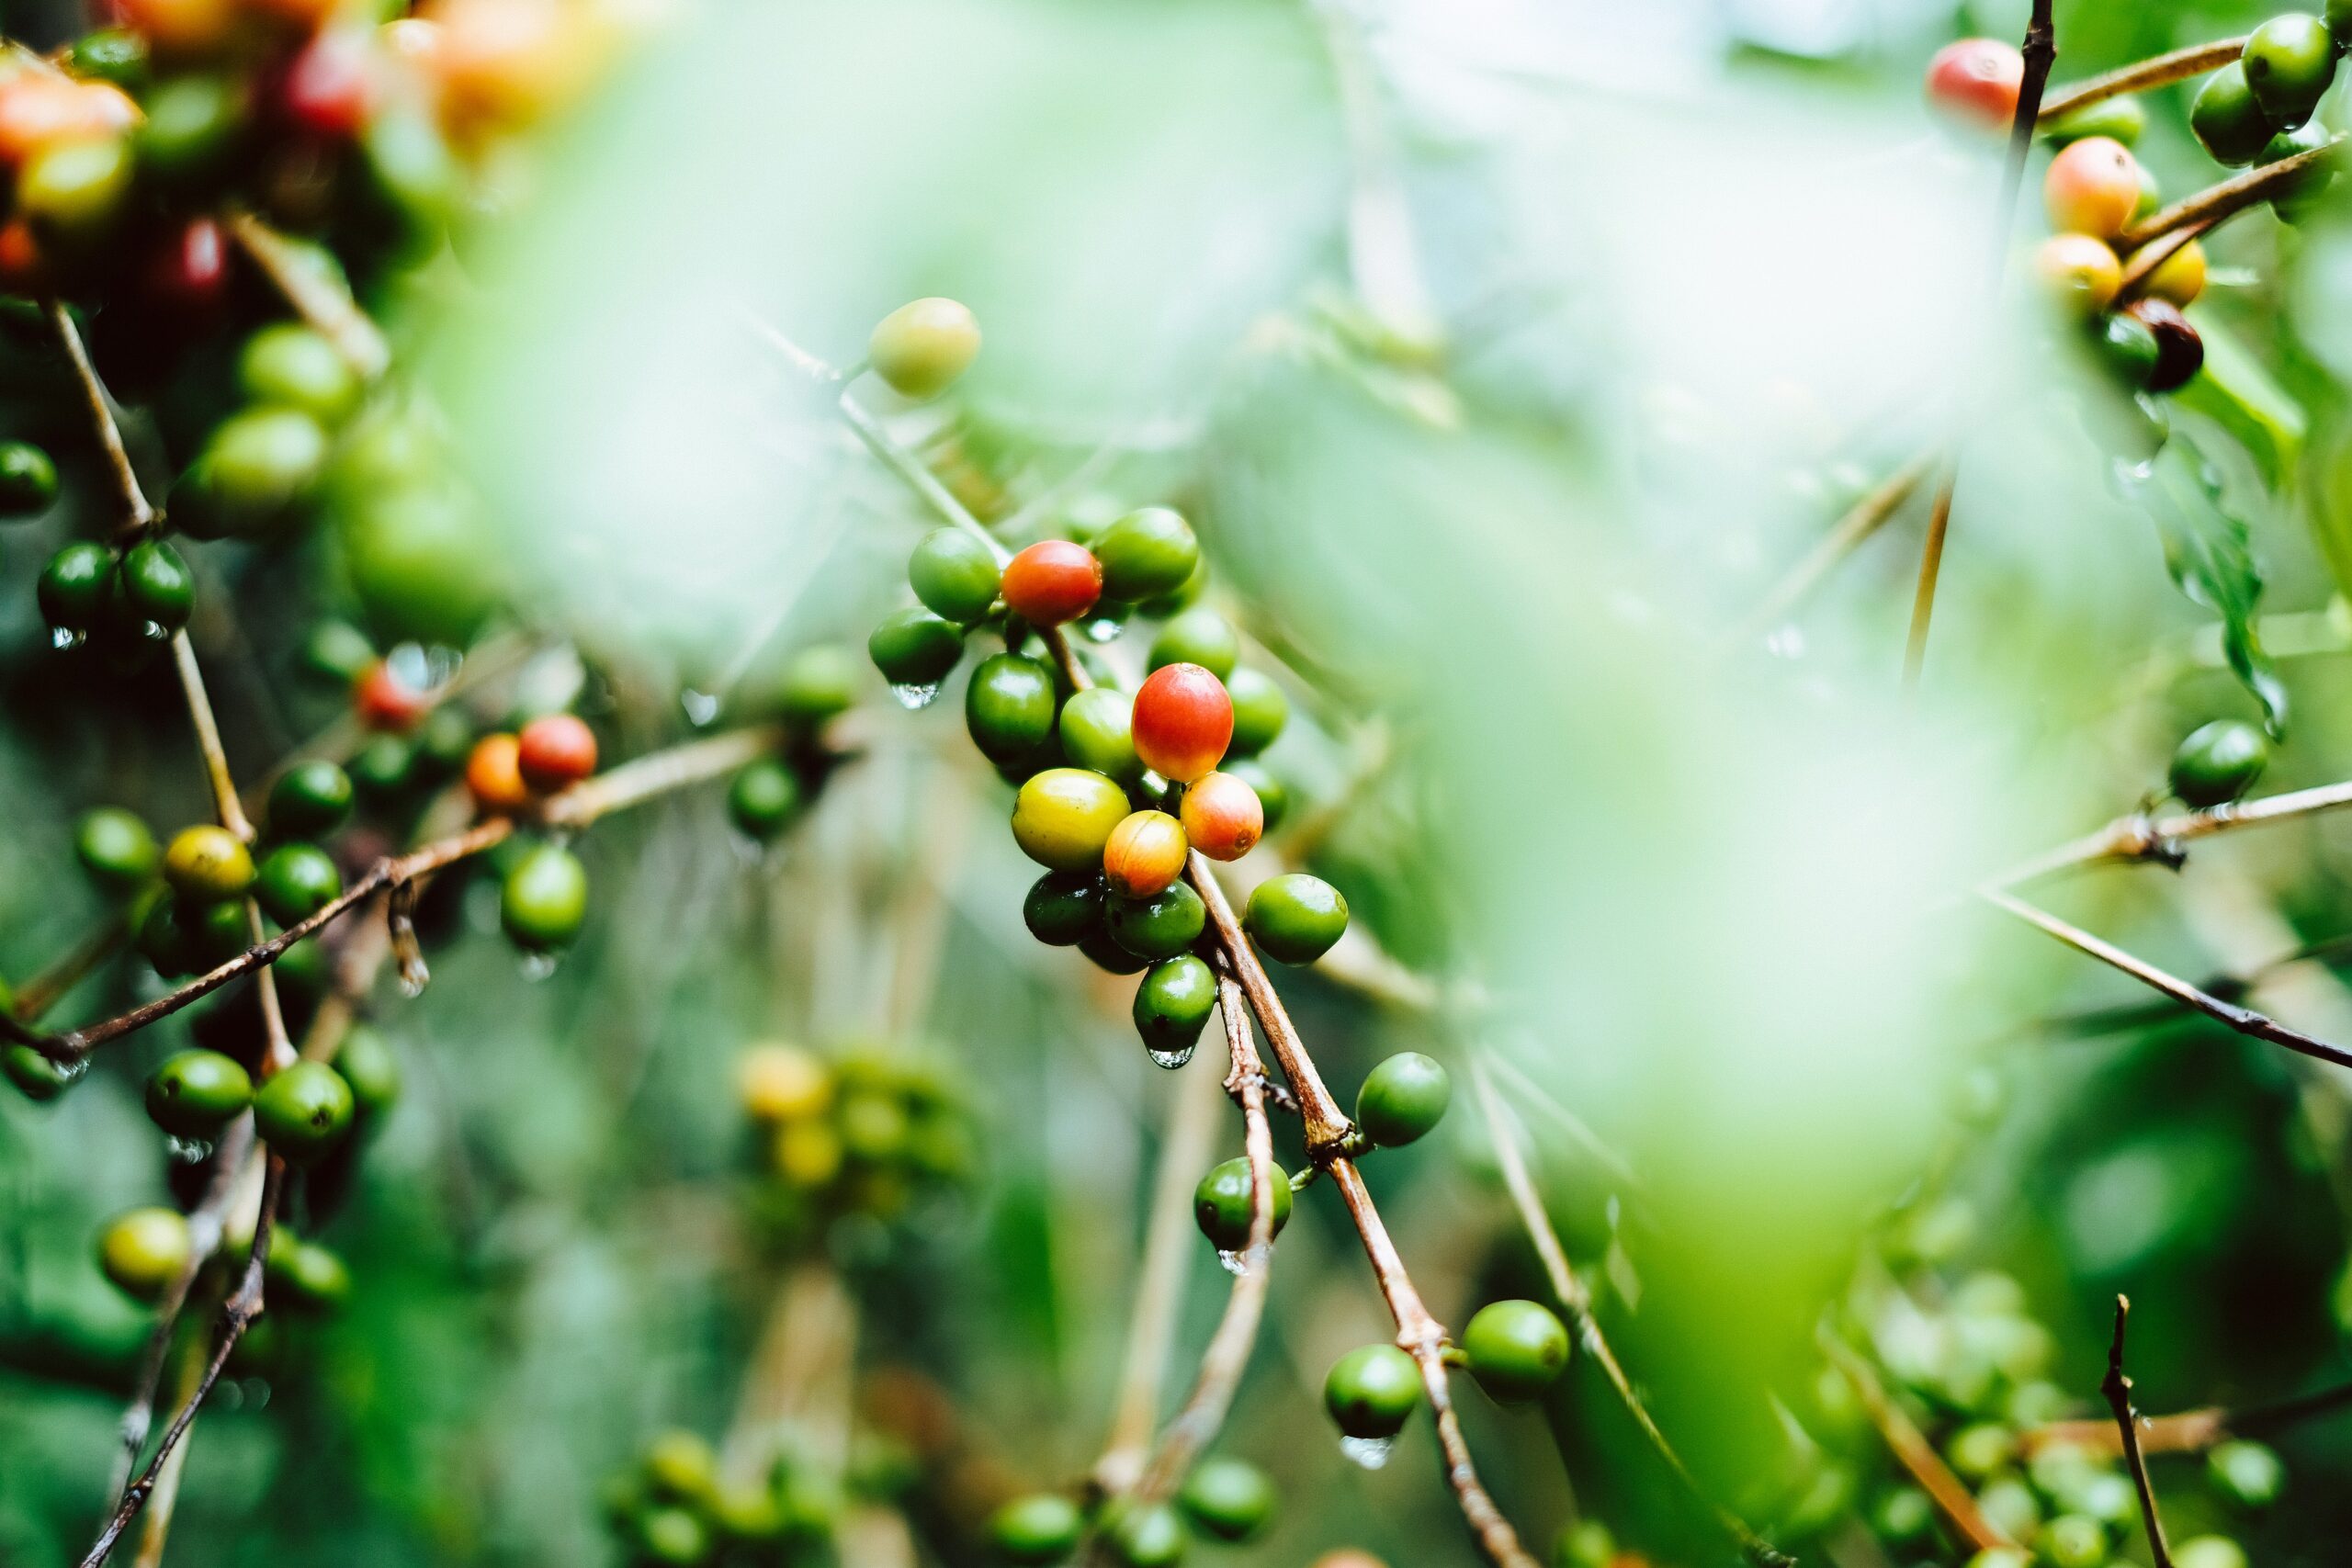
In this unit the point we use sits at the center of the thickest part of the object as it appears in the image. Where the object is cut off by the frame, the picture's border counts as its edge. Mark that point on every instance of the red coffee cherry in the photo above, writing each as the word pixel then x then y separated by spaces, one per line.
pixel 1052 581
pixel 1184 721
pixel 555 750
pixel 1144 855
pixel 1223 817
pixel 1975 83
pixel 383 701
pixel 190 270
pixel 328 91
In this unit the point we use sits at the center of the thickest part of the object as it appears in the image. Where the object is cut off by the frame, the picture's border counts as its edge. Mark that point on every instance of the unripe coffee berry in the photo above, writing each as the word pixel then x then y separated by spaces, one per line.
pixel 1174 1003
pixel 304 1111
pixel 1516 1350
pixel 115 847
pixel 1052 581
pixel 764 798
pixel 1222 817
pixel 37 1077
pixel 1229 1498
pixel 1975 83
pixel 1095 732
pixel 1009 707
pixel 1296 918
pixel 2180 351
pixel 2247 1473
pixel 1147 1538
pixel 367 1062
pixel 1145 854
pixel 1403 1098
pixel 1064 907
pixel 545 899
pixel 2218 762
pixel 206 863
pixel 1273 795
pixel 28 480
pixel 2288 61
pixel 1107 955
pixel 494 774
pixel 74 586
pixel 2226 118
pixel 1259 710
pixel 1182 722
pixel 143 1251
pixel 1222 1203
pixel 555 750
pixel 1040 1528
pixel 310 800
pixel 2180 278
pixel 923 345
pixel 1146 553
pixel 295 882
pixel 1161 926
pixel 2123 118
pixel 293 366
pixel 955 575
pixel 915 647
pixel 2092 187
pixel 819 684
pixel 305 1274
pixel 1198 635
pixel 194 1094
pixel 1064 816
pixel 778 1083
pixel 1371 1392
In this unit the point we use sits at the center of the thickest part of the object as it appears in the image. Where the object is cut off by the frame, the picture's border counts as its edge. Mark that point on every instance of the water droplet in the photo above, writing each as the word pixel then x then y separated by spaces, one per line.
pixel 701 706
pixel 72 1071
pixel 1369 1452
pixel 1168 1059
pixel 188 1151
pixel 1104 628
pixel 2127 478
pixel 1233 1262
pixel 538 966
pixel 64 638
pixel 914 699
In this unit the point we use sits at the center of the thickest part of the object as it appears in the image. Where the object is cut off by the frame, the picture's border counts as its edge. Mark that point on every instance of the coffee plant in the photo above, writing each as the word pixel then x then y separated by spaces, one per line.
pixel 1483 990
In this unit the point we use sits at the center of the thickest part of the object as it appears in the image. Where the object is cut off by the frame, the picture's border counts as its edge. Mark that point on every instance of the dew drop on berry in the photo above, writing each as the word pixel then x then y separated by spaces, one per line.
pixel 1233 1262
pixel 915 698
pixel 1369 1452
pixel 538 966
pixel 64 638
pixel 1172 1060
pixel 1104 628
pixel 187 1151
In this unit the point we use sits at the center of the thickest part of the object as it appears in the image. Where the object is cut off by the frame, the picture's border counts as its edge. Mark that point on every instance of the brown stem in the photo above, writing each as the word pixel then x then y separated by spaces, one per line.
pixel 2118 1389
pixel 323 302
pixel 167 1484
pixel 2211 206
pixel 2154 72
pixel 1862 519
pixel 1912 1450
pixel 1327 1127
pixel 2154 254
pixel 226 806
pixel 2194 1431
pixel 137 516
pixel 2140 836
pixel 1503 1134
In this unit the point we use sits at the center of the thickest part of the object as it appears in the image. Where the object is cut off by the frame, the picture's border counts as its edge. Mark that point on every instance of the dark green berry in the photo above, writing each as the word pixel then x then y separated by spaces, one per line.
pixel 764 798
pixel 110 54
pixel 1516 1350
pixel 217 932
pixel 915 647
pixel 1064 907
pixel 338 652
pixel 545 899
pixel 1159 926
pixel 165 942
pixel 28 479
pixel 1109 957
pixel 1198 635
pixel 36 1077
pixel 1148 1538
pixel 296 881
pixel 367 1063
pixel 115 847
pixel 191 126
pixel 955 575
pixel 1296 918
pixel 1095 732
pixel 1039 1529
pixel 153 587
pixel 1402 1098
pixel 1229 1498
pixel 819 683
pixel 303 1111
pixel 2218 762
pixel 2296 200
pixel 1260 711
pixel 195 1093
pixel 1146 554
pixel 306 1274
pixel 310 800
pixel 2226 118
pixel 1009 707
pixel 2288 61
pixel 384 767
pixel 1371 1392
pixel 1221 1204
pixel 1174 1003
pixel 76 585
pixel 2127 348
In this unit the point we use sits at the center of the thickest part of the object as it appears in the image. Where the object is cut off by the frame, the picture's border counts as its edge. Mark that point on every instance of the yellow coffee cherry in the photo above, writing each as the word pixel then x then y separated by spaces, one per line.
pixel 807 1153
pixel 922 346
pixel 781 1082
pixel 207 864
pixel 1063 816
pixel 2181 277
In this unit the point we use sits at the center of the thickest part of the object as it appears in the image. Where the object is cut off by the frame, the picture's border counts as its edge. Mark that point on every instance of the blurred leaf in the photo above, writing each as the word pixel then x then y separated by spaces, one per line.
pixel 2238 394
pixel 2210 552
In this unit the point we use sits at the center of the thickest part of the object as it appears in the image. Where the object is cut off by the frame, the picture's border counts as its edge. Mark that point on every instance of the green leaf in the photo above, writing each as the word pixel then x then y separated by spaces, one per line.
pixel 2193 494
pixel 2235 392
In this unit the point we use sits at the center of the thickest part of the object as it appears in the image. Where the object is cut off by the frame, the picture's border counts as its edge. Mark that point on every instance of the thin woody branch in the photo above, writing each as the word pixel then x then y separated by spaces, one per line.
pixel 322 301
pixel 2193 1431
pixel 2118 1389
pixel 137 516
pixel 1862 519
pixel 2211 206
pixel 2140 836
pixel 1912 1450
pixel 2157 71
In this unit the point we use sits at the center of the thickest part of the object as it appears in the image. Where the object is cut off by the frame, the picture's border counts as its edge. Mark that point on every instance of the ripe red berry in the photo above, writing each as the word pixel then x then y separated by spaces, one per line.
pixel 1052 581
pixel 555 750
pixel 1184 721
pixel 384 701
pixel 328 90
pixel 191 268
pixel 1975 83
pixel 2093 188
pixel 1223 817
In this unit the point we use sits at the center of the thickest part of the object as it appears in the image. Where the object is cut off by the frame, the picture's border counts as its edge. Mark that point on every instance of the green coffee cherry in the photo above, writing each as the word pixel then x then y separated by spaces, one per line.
pixel 1371 1390
pixel 1146 554
pixel 1064 907
pixel 545 899
pixel 2247 1473
pixel 295 367
pixel 1904 1516
pixel 369 1065
pixel 306 1274
pixel 191 126
pixel 2012 1508
pixel 2226 118
pixel 1229 1498
pixel 2122 118
pixel 73 190
pixel 207 863
pixel 310 800
pixel 2127 348
pixel 1148 1538
pixel 1980 1451
pixel 764 798
pixel 1198 635
pixel 672 1536
pixel 1517 1350
pixel 110 54
pixel 115 847
pixel 1259 710
pixel 28 480
pixel 2339 22
pixel 955 575
pixel 36 1077
pixel 2298 200
pixel 1109 957
pixel 1403 1098
pixel 2289 62
pixel 2218 762
pixel 682 1467
pixel 819 684
pixel 304 1111
pixel 915 647
pixel 144 1250
pixel 2208 1551
pixel 1587 1543
pixel 166 941
pixel 923 345
pixel 259 465
pixel 1063 816
pixel 1009 707
pixel 1296 918
pixel 217 932
pixel 1095 733
pixel 1160 927
pixel 1221 1204
pixel 194 1094
pixel 75 587
pixel 295 882
pixel 153 587
pixel 1039 1529
pixel 2073 1540
pixel 1174 1003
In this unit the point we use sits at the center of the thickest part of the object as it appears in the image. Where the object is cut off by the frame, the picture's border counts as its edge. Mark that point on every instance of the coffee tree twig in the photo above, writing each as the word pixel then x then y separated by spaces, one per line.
pixel 1911 1448
pixel 2157 71
pixel 2117 1387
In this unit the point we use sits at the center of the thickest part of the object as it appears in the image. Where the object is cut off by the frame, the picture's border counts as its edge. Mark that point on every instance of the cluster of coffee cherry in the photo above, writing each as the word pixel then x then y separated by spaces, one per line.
pixel 1224 1499
pixel 862 1134
pixel 674 1509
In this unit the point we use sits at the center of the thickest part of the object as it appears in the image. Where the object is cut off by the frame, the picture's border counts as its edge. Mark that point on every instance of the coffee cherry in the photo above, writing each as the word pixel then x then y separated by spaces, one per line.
pixel 1147 1538
pixel 37 1077
pixel 1198 635
pixel 1403 1098
pixel 2073 1540
pixel 1009 707
pixel 115 847
pixel 143 1251
pixel 383 768
pixel 763 799
pixel 304 1274
pixel 1371 1390
pixel 116 55
pixel 2208 1551
pixel 327 91
pixel 819 684
pixel 955 575
pixel 915 647
pixel 1039 1529
pixel 165 942
pixel 187 274
pixel 495 775
pixel 310 800
pixel 780 1083
pixel 674 1538
pixel 2121 118
pixel 2180 351
pixel 205 863
pixel 2092 187
pixel 1052 581
pixel 2247 1473
pixel 155 585
pixel 2339 22
pixel 383 701
pixel 1259 710
pixel 1145 854
pixel 216 931
pixel 261 463
pixel 923 345
pixel 1064 816
pixel 1146 553
pixel 304 1111
pixel 195 1093
pixel 2298 200
pixel 1221 1204
pixel 295 367
pixel 1222 817
pixel 365 1061
pixel 2289 62
pixel 2180 278
pixel 1982 1450
pixel 1174 1000
pixel 1110 957
pixel 74 586
pixel 71 192
pixel 1229 1498
pixel 545 899
pixel 2126 347
pixel 296 881
pixel 2226 118
pixel 1975 83
pixel 191 127
pixel 2218 762
pixel 28 479
pixel 1160 926
pixel 1064 907
pixel 1516 1349
pixel 555 750
pixel 2079 274
pixel 1095 733
pixel 1296 918
pixel 1183 721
